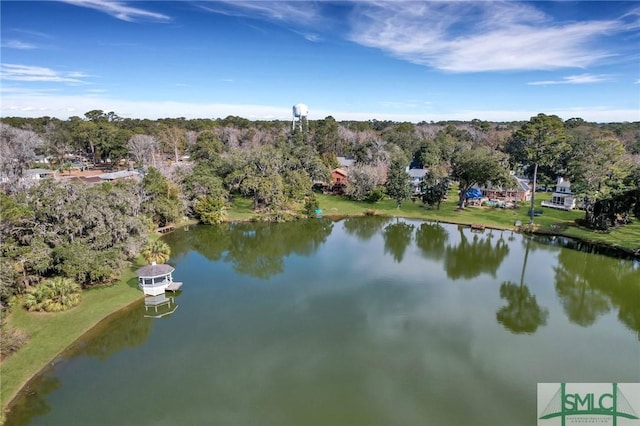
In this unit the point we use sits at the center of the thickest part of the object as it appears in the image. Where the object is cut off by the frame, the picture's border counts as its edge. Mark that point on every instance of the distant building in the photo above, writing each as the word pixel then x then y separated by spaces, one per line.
pixel 517 189
pixel 124 174
pixel 562 198
pixel 416 177
pixel 339 177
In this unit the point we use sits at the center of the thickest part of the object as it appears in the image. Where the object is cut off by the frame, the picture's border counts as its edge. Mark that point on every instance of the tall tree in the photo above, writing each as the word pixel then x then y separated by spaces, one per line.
pixel 598 166
pixel 173 140
pixel 476 167
pixel 143 149
pixel 398 185
pixel 17 150
pixel 542 141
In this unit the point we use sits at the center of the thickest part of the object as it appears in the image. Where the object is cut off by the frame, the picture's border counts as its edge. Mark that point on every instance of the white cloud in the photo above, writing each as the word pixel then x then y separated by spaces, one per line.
pixel 477 37
pixel 573 79
pixel 119 10
pixel 18 44
pixel 25 104
pixel 28 73
pixel 300 12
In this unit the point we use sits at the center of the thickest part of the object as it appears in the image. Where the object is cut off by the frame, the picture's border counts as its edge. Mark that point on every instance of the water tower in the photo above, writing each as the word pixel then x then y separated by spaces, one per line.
pixel 300 113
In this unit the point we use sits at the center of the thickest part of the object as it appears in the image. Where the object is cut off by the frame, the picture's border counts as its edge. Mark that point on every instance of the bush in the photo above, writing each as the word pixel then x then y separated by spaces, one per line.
pixel 11 339
pixel 375 195
pixel 310 206
pixel 209 210
pixel 56 295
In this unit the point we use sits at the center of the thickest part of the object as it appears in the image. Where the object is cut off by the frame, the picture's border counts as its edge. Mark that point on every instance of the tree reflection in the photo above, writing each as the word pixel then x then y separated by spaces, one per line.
pixel 128 328
pixel 590 285
pixel 522 314
pixel 253 248
pixel 365 228
pixel 34 403
pixel 430 239
pixel 397 238
pixel 258 249
pixel 469 259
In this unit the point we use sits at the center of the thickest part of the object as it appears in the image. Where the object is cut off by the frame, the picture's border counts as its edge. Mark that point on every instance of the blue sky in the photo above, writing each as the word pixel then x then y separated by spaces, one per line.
pixel 360 60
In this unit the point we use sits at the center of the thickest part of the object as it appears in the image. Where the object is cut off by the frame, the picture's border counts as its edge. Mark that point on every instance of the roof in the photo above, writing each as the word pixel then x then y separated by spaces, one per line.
pixel 39 172
pixel 345 162
pixel 417 173
pixel 340 171
pixel 155 270
pixel 119 175
pixel 522 184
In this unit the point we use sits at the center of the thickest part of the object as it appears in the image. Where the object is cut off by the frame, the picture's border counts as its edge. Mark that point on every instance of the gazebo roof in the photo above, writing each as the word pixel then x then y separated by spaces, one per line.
pixel 155 270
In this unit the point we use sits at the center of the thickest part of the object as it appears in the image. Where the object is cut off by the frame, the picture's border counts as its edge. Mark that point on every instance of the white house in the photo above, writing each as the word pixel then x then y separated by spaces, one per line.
pixel 416 177
pixel 562 198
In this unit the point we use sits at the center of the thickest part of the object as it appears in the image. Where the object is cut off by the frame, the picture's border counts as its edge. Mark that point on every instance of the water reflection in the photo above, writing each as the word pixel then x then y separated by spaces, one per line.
pixel 591 285
pixel 33 403
pixel 468 259
pixel 430 239
pixel 128 329
pixel 365 228
pixel 522 314
pixel 253 248
pixel 363 328
pixel 397 238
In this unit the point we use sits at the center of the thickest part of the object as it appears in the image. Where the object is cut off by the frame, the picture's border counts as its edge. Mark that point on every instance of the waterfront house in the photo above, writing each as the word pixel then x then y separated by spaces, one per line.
pixel 562 198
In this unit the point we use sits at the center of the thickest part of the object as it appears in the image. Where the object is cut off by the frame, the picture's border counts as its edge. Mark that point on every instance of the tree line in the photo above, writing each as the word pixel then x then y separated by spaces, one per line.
pixel 198 167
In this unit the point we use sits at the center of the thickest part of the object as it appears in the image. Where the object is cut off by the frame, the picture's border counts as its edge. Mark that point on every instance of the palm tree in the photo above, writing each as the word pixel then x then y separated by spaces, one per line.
pixel 156 251
pixel 55 295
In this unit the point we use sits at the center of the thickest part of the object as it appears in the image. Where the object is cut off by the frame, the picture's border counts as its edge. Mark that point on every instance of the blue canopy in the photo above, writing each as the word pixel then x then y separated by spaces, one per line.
pixel 473 193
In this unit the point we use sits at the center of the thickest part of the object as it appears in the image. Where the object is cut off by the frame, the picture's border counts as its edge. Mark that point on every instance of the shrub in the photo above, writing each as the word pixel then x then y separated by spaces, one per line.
pixel 55 295
pixel 310 206
pixel 11 339
pixel 375 195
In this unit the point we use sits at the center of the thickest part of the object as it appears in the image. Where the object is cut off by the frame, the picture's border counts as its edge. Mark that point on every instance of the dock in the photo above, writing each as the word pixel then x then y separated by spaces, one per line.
pixel 174 286
pixel 477 227
pixel 165 229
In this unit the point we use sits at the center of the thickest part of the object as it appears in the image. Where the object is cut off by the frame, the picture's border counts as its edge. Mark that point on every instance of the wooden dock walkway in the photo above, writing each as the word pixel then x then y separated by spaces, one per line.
pixel 166 229
pixel 174 286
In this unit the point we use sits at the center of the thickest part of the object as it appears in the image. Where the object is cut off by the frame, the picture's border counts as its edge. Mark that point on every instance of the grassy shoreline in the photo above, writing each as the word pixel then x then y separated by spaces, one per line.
pixel 52 334
pixel 554 222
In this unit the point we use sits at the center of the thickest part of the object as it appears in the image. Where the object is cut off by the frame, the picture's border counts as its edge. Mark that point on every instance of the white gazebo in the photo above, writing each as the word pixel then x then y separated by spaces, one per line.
pixel 156 279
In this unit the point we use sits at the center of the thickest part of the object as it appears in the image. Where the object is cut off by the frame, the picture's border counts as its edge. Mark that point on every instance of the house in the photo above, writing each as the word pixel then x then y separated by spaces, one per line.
pixel 562 198
pixel 416 177
pixel 517 190
pixel 339 177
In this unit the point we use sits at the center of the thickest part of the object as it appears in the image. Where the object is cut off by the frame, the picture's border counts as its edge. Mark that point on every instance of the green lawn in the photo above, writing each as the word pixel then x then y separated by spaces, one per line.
pixel 242 209
pixel 51 333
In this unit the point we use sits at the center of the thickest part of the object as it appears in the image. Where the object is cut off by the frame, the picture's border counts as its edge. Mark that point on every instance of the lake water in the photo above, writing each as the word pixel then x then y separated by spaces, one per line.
pixel 362 321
